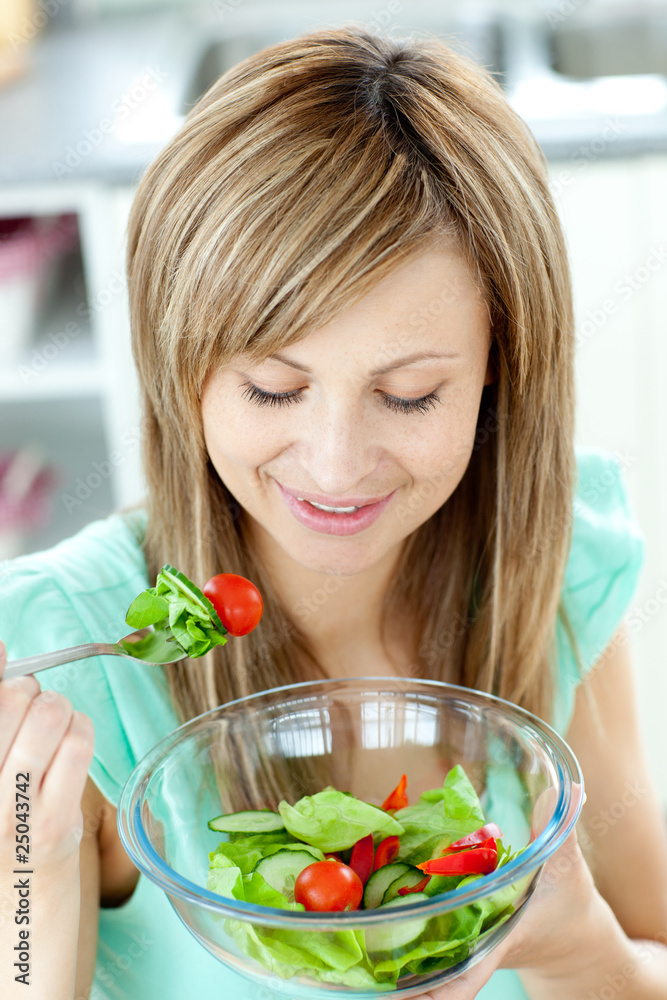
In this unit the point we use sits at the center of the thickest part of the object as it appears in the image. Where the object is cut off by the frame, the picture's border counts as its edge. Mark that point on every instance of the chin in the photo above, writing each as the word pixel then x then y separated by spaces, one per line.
pixel 336 558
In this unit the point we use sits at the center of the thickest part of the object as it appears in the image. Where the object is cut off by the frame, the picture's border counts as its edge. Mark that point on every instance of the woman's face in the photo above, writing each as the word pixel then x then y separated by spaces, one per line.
pixel 343 437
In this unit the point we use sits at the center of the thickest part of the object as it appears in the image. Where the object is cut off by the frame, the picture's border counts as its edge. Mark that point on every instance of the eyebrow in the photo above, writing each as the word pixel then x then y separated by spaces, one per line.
pixel 410 359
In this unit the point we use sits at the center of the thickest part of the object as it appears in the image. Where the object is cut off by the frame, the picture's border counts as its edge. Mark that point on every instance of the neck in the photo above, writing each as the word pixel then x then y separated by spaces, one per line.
pixel 340 615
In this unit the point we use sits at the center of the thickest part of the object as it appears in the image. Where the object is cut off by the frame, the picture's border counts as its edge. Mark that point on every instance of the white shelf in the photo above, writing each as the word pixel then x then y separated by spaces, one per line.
pixel 78 375
pixel 72 438
pixel 95 366
pixel 60 361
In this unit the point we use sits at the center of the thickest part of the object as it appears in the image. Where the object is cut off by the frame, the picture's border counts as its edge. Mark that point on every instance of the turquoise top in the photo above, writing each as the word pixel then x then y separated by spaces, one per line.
pixel 79 591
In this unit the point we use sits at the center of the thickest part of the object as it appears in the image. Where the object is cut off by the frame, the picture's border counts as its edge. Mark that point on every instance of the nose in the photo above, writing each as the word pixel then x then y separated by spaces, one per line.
pixel 339 449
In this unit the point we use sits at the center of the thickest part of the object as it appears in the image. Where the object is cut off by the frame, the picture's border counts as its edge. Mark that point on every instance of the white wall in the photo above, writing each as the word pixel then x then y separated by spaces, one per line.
pixel 615 217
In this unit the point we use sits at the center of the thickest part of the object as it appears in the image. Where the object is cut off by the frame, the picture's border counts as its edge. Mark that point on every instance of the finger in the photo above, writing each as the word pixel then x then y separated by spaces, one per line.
pixel 467 985
pixel 3 657
pixel 44 726
pixel 16 696
pixel 545 805
pixel 65 780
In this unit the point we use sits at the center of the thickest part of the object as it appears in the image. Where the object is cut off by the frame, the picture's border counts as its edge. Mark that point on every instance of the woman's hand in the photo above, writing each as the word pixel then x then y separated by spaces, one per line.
pixel 45 752
pixel 554 935
pixel 41 737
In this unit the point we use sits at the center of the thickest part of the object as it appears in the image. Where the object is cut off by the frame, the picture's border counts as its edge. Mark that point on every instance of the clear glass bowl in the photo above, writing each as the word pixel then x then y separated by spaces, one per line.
pixel 358 735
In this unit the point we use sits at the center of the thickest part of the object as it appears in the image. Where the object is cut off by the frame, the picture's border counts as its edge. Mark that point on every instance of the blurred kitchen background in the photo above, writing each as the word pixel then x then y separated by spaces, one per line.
pixel 91 89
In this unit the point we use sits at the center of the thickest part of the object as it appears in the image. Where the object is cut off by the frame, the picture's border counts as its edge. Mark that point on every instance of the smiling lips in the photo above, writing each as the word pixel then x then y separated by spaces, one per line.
pixel 329 519
pixel 334 503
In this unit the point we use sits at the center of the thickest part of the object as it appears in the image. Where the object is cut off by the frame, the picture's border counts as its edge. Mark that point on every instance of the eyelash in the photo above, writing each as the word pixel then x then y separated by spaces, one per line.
pixel 262 398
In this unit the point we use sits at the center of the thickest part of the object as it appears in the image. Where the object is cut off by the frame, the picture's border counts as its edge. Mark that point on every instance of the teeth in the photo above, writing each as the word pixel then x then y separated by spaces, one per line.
pixel 331 510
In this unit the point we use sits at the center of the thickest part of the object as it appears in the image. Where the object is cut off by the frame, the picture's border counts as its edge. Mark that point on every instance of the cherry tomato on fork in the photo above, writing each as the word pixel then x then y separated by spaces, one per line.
pixel 237 601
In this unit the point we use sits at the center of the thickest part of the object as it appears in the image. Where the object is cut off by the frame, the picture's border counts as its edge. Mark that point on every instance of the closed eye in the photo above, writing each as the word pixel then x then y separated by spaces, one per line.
pixel 262 398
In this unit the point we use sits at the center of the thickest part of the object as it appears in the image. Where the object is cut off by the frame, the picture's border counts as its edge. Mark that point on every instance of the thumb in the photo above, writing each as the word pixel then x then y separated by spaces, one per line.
pixel 545 805
pixel 467 985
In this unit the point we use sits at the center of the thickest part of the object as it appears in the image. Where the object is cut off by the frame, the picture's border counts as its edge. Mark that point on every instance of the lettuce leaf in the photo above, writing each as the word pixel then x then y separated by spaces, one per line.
pixel 441 814
pixel 333 956
pixel 180 613
pixel 334 821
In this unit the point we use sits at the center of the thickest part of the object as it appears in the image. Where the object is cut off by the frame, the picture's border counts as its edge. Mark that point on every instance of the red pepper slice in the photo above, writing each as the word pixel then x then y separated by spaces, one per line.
pixel 332 856
pixel 385 852
pixel 476 861
pixel 397 799
pixel 361 859
pixel 478 837
pixel 414 888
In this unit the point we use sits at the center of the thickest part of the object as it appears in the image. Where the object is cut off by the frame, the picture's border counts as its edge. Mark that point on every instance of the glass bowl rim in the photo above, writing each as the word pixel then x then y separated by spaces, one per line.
pixel 533 856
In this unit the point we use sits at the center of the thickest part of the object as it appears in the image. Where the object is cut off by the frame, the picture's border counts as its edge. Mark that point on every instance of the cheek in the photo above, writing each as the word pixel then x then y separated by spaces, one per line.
pixel 238 441
pixel 440 458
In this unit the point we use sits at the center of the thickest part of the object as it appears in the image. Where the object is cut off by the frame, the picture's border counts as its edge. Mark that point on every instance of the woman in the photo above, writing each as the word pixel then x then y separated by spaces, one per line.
pixel 349 289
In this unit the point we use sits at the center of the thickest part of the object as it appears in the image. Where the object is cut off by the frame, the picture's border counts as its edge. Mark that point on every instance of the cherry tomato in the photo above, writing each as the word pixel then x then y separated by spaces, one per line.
pixel 328 885
pixel 237 601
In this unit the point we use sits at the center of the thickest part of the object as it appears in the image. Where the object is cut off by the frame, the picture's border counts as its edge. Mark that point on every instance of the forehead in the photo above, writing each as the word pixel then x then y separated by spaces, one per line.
pixel 429 302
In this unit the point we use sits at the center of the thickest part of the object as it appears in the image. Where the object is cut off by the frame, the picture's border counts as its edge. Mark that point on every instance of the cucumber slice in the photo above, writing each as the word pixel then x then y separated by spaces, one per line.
pixel 274 848
pixel 187 587
pixel 380 881
pixel 387 940
pixel 248 821
pixel 409 878
pixel 280 870
pixel 261 840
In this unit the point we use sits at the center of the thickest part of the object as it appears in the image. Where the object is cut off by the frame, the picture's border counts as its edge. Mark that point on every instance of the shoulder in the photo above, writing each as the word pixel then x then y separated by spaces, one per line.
pixel 104 549
pixel 603 568
pixel 607 545
pixel 80 584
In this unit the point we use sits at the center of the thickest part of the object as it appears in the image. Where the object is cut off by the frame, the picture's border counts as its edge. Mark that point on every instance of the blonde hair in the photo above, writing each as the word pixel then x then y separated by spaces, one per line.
pixel 307 173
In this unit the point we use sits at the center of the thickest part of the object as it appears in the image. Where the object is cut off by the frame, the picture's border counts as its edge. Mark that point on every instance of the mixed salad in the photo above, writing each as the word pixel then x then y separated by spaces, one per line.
pixel 195 620
pixel 333 852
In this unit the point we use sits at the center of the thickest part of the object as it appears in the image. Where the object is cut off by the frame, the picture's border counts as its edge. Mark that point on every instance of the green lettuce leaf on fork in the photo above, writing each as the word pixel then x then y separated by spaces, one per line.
pixel 180 613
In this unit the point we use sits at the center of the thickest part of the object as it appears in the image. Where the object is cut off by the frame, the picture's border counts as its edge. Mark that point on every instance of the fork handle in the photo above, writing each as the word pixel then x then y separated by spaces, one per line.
pixel 42 661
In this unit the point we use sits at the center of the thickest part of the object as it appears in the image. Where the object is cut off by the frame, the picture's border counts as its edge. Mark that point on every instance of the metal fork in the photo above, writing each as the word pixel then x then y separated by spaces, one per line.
pixel 168 652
